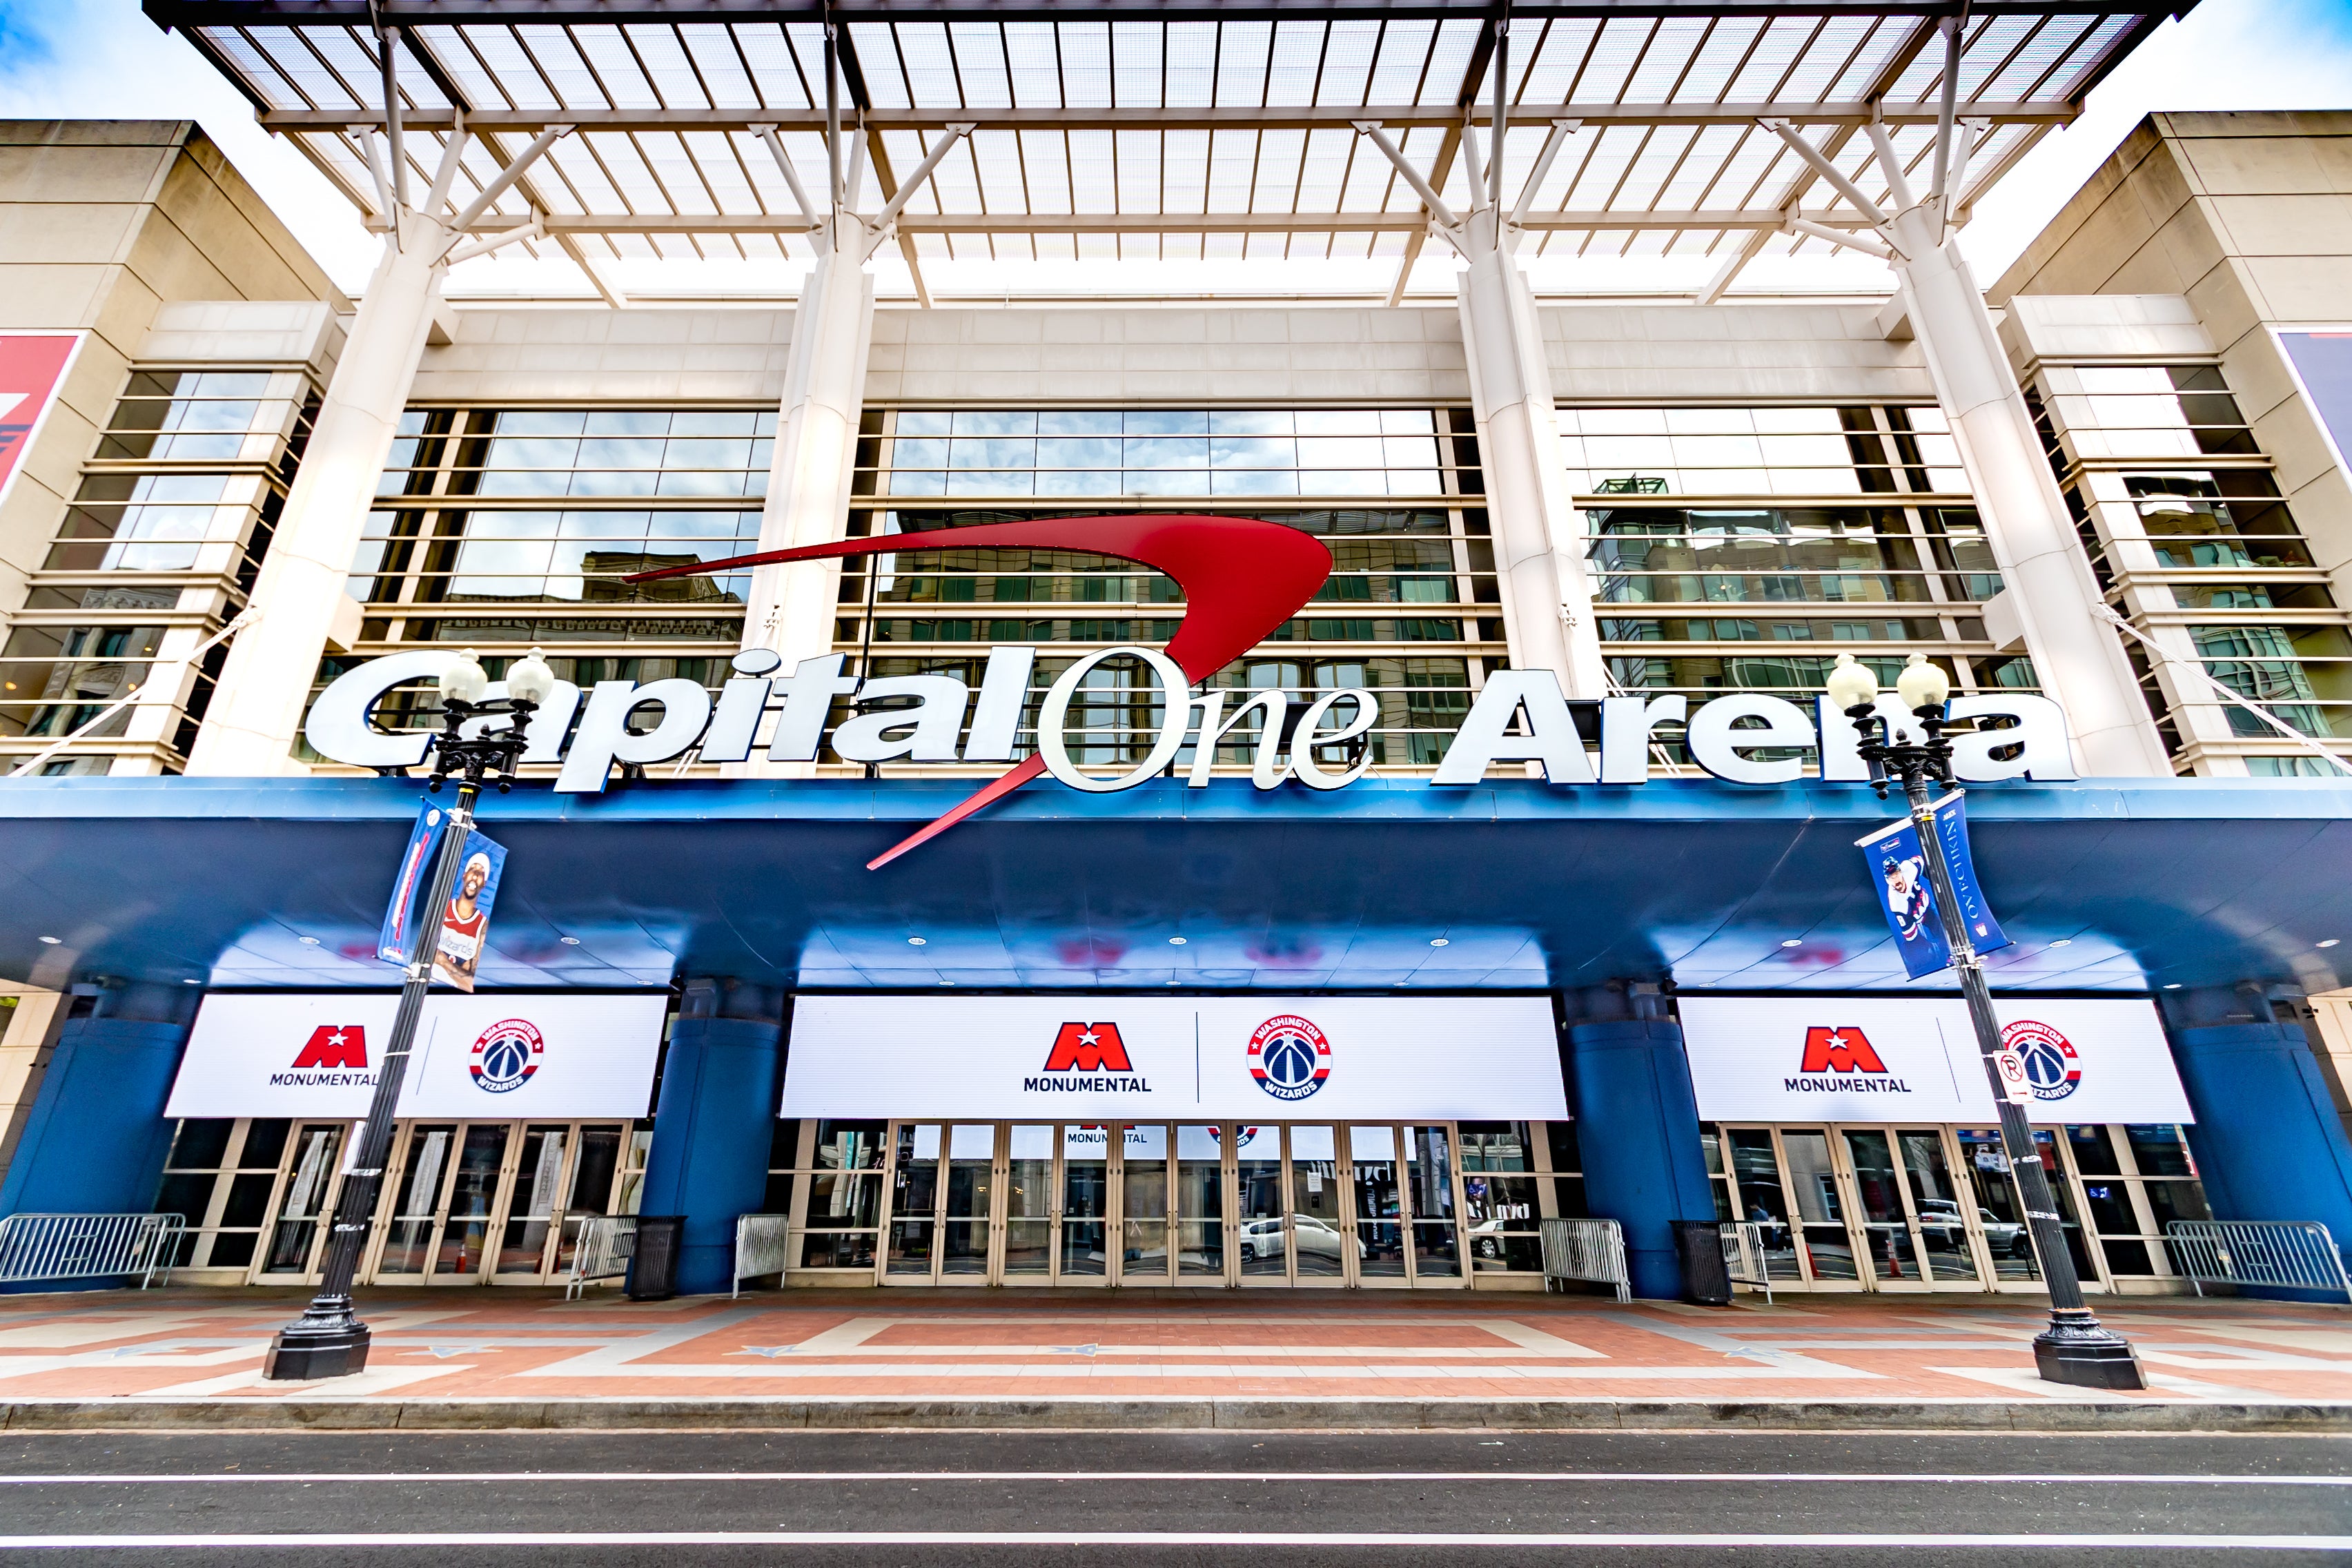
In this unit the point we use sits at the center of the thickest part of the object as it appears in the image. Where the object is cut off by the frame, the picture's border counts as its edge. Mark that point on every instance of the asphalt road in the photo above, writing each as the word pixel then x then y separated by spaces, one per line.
pixel 674 1499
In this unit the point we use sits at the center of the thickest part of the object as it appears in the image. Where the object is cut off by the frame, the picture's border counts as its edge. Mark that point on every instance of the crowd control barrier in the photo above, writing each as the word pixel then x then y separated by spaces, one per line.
pixel 760 1247
pixel 1745 1256
pixel 2287 1254
pixel 37 1248
pixel 602 1251
pixel 1592 1250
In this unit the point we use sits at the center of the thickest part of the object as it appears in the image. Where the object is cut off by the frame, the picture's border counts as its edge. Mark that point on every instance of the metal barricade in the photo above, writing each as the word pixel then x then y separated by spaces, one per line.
pixel 1745 1256
pixel 1587 1249
pixel 2289 1254
pixel 601 1251
pixel 760 1241
pixel 36 1248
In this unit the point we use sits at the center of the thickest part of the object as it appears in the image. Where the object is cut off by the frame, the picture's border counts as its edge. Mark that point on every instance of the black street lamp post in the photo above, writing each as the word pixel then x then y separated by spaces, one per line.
pixel 2076 1348
pixel 329 1340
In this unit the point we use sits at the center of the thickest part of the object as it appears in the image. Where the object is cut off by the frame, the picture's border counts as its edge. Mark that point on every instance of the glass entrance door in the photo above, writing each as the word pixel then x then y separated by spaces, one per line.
pixel 1029 1204
pixel 1262 1243
pixel 1082 1221
pixel 305 1197
pixel 1323 1243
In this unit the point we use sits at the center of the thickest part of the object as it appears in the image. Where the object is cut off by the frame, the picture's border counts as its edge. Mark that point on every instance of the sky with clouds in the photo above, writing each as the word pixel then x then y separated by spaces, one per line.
pixel 103 59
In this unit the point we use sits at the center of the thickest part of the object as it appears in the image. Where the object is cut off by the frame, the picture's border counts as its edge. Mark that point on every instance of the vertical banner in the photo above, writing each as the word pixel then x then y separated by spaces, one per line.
pixel 1952 834
pixel 416 870
pixel 466 923
pixel 1898 867
pixel 33 365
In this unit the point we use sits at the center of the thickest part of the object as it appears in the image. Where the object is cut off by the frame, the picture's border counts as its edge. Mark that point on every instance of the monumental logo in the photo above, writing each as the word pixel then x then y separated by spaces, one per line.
pixel 507 1055
pixel 1087 1058
pixel 1289 1058
pixel 335 1056
pixel 1838 1062
pixel 2053 1068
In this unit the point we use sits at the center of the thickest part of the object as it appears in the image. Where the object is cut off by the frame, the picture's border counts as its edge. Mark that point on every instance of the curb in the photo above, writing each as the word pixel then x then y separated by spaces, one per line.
pixel 323 1413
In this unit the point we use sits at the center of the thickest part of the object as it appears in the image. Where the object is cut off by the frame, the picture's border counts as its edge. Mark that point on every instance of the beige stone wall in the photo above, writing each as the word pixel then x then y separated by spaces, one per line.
pixel 2250 217
pixel 102 221
pixel 28 1031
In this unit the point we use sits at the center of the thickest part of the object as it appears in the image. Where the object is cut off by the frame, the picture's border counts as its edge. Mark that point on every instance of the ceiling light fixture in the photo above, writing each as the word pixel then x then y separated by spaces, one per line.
pixel 51 941
pixel 569 941
pixel 308 941
pixel 2174 987
pixel 1793 942
pixel 1175 941
pixel 2331 942
pixel 919 941
pixel 1440 941
pixel 2063 941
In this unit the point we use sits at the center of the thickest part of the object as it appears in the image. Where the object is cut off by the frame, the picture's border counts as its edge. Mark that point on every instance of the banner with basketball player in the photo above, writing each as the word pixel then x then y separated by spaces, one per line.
pixel 466 922
pixel 408 888
pixel 1898 870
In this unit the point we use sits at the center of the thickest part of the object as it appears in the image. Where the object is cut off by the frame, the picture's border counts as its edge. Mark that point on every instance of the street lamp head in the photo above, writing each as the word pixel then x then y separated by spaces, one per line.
pixel 1852 685
pixel 530 679
pixel 1923 685
pixel 465 681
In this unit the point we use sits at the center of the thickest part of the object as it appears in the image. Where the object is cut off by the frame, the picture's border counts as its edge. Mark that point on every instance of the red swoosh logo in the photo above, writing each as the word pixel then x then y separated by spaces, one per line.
pixel 1242 577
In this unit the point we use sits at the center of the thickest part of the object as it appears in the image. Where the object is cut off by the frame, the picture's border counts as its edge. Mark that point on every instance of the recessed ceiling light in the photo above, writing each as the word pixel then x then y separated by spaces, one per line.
pixel 2174 987
pixel 1175 941
pixel 1440 941
pixel 947 981
pixel 50 940
pixel 192 983
pixel 918 942
pixel 2063 941
pixel 2331 942
pixel 1175 983
pixel 308 941
pixel 569 941
pixel 1793 942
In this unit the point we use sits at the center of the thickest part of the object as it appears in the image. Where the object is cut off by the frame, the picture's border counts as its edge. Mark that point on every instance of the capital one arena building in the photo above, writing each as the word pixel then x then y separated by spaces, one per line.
pixel 1358 784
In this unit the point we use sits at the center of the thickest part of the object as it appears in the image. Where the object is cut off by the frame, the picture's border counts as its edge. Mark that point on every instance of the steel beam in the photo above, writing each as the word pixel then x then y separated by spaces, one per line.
pixel 1763 218
pixel 608 13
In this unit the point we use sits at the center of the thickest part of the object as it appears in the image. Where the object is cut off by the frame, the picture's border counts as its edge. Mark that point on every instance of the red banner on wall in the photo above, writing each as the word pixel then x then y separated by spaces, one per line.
pixel 32 368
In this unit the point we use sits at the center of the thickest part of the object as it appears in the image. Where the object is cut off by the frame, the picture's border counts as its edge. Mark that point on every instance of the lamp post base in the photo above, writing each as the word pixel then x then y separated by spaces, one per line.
pixel 317 1345
pixel 2086 1355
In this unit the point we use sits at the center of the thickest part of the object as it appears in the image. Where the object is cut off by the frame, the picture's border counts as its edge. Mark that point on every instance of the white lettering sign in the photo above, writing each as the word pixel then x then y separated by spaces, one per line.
pixel 1520 716
pixel 1094 1058
pixel 490 1056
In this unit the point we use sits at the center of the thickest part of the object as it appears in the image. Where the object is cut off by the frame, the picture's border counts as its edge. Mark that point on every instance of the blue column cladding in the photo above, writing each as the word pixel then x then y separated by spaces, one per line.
pixel 2268 1142
pixel 1637 1124
pixel 712 1132
pixel 96 1140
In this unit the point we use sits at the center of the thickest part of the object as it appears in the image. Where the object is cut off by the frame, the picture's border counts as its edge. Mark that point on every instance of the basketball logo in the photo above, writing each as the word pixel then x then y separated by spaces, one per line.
pixel 507 1055
pixel 1289 1058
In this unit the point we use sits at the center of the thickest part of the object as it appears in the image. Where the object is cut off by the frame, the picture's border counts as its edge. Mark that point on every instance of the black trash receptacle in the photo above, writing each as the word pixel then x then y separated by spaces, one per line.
pixel 653 1267
pixel 1698 1247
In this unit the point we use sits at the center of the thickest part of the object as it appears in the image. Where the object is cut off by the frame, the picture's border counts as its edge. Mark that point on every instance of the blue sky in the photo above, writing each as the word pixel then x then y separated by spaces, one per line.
pixel 103 59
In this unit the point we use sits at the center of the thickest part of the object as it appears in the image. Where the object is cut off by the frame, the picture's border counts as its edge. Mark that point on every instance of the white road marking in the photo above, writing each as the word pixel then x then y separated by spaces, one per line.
pixel 1187 1538
pixel 1833 1477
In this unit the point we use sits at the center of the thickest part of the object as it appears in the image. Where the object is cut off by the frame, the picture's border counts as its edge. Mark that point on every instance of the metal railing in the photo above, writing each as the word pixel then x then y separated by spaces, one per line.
pixel 2290 1254
pixel 605 1244
pixel 1745 1256
pixel 1587 1249
pixel 760 1243
pixel 39 1247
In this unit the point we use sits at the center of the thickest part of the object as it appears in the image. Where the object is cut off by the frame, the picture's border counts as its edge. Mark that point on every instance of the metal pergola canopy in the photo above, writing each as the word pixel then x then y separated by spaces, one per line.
pixel 1120 130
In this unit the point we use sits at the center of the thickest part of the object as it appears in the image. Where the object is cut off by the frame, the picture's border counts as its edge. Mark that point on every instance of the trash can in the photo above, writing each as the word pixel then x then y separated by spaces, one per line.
pixel 1698 1247
pixel 653 1271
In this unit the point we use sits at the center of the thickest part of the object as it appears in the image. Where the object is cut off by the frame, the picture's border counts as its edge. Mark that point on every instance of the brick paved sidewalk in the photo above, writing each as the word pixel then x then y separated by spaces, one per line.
pixel 530 1345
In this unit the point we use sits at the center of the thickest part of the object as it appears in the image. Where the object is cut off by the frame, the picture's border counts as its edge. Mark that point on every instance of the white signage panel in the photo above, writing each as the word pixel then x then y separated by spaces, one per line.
pixel 487 1056
pixel 1847 1059
pixel 1092 1058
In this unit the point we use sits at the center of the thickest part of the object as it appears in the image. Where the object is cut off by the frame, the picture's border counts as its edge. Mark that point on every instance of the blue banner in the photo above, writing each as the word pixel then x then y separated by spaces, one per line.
pixel 1898 867
pixel 416 873
pixel 466 923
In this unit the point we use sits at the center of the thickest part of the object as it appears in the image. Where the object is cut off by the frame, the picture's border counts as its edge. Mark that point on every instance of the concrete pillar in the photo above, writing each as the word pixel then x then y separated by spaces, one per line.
pixel 2081 662
pixel 792 608
pixel 721 1082
pixel 1637 1126
pixel 2268 1142
pixel 1538 533
pixel 26 1033
pixel 257 709
pixel 96 1140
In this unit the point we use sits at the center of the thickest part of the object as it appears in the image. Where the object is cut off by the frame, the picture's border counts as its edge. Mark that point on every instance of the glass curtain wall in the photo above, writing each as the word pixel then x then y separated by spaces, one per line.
pixel 1744 548
pixel 174 513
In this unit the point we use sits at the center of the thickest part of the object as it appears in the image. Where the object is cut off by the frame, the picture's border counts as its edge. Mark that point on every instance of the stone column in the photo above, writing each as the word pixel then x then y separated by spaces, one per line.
pixel 2081 662
pixel 1538 533
pixel 257 709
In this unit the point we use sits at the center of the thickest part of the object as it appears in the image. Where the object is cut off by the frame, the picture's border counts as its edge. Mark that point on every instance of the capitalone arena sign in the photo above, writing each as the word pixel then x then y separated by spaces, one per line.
pixel 1241 577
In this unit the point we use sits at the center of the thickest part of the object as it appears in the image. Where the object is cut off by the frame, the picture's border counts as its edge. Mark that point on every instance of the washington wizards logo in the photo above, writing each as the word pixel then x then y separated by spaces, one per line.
pixel 1290 1057
pixel 1241 577
pixel 507 1055
pixel 2053 1068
